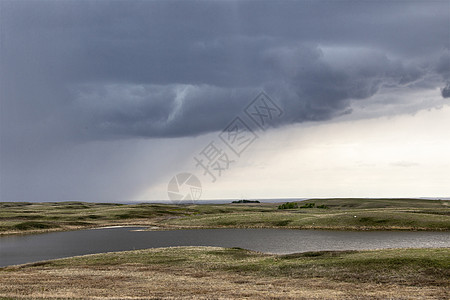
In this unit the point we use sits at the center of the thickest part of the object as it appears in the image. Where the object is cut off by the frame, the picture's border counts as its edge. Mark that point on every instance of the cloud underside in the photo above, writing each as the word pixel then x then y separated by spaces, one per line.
pixel 111 70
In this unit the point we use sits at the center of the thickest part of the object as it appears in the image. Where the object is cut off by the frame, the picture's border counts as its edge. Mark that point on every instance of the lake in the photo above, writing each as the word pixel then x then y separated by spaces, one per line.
pixel 32 248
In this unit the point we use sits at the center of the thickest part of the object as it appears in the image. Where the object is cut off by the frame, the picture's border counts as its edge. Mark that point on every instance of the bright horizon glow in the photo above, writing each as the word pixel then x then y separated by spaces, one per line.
pixel 387 157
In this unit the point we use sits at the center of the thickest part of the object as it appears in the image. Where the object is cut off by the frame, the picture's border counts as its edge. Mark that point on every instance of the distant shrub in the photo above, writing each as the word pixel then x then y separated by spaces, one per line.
pixel 288 205
pixel 308 205
pixel 322 206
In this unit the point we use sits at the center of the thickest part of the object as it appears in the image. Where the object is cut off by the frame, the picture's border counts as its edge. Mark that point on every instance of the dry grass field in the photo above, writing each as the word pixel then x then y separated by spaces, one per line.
pixel 220 273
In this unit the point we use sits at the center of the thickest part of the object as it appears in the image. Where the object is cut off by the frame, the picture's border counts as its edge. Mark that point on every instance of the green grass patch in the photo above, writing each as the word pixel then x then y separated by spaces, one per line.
pixel 339 214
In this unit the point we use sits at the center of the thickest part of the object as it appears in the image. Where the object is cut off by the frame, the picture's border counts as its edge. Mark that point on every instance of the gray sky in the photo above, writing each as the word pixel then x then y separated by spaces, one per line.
pixel 106 100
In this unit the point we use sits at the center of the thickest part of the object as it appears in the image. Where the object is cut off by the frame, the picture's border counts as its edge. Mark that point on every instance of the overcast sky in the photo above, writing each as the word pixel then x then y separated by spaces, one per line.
pixel 108 100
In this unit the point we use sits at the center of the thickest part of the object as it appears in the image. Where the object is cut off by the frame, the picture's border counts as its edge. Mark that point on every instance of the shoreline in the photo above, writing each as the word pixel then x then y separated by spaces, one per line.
pixel 165 227
pixel 311 253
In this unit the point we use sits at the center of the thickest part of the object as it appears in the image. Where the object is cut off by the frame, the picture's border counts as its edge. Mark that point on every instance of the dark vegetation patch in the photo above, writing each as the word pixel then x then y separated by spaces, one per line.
pixel 431 212
pixel 288 205
pixel 91 217
pixel 227 223
pixel 371 220
pixel 77 223
pixel 322 206
pixel 34 225
pixel 39 264
pixel 14 204
pixel 282 222
pixel 23 217
pixel 136 214
pixel 73 206
pixel 321 254
pixel 246 201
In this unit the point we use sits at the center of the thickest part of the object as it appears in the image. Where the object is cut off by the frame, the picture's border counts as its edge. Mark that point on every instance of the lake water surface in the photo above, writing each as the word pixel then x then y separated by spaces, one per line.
pixel 32 248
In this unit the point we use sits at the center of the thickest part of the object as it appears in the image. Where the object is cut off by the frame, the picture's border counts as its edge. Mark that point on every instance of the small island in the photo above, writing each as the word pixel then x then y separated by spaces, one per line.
pixel 246 201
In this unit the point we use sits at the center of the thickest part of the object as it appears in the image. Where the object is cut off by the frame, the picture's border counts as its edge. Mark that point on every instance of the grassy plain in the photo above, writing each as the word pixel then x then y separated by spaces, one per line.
pixel 220 273
pixel 223 273
pixel 339 214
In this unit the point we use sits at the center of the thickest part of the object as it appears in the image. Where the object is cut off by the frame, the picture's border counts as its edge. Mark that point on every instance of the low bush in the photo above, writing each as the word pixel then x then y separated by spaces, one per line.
pixel 288 205
pixel 308 205
pixel 322 206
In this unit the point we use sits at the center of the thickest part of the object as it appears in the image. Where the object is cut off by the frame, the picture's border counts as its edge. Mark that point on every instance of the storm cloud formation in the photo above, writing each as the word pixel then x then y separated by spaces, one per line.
pixel 174 69
pixel 78 71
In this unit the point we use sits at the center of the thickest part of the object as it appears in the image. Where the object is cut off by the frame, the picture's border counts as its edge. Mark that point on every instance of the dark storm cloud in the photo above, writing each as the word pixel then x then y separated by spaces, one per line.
pixel 443 68
pixel 314 57
pixel 87 71
pixel 446 91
